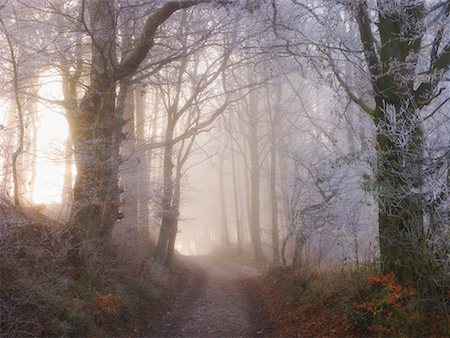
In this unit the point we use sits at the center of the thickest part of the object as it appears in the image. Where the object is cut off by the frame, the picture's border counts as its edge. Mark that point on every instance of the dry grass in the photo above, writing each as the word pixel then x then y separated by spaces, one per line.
pixel 41 294
pixel 333 302
pixel 309 303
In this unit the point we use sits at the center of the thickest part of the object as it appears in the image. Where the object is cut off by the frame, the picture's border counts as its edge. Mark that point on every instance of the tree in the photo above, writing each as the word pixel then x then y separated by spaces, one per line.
pixel 405 58
pixel 186 95
pixel 252 110
pixel 404 54
pixel 400 93
pixel 274 125
pixel 18 105
pixel 95 126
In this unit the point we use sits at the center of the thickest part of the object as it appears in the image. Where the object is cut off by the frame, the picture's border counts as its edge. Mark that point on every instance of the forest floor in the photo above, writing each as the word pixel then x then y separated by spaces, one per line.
pixel 42 294
pixel 230 297
pixel 219 302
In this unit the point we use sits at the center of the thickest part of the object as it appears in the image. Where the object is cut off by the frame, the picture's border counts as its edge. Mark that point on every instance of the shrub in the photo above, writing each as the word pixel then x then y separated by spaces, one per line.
pixel 391 309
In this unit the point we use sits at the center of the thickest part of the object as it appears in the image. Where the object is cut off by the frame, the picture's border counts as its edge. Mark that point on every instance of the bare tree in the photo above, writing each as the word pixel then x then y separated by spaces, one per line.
pixel 96 128
pixel 18 105
pixel 183 99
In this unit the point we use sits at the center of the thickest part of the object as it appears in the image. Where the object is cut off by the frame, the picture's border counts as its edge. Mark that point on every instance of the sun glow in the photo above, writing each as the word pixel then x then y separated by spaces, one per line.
pixel 51 138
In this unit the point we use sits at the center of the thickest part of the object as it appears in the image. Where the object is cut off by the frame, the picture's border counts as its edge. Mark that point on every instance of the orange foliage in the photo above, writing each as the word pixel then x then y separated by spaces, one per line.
pixel 393 308
pixel 388 282
pixel 305 320
pixel 107 304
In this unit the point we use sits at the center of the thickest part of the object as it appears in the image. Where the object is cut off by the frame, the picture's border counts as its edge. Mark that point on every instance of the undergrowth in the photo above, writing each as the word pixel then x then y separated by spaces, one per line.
pixel 349 301
pixel 388 308
pixel 41 294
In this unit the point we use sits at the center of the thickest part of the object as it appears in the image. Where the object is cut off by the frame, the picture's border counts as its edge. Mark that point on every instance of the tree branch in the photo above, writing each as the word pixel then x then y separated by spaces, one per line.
pixel 360 102
pixel 130 63
pixel 367 39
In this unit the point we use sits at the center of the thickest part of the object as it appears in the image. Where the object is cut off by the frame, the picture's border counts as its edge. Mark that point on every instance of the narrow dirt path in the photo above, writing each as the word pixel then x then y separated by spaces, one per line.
pixel 219 303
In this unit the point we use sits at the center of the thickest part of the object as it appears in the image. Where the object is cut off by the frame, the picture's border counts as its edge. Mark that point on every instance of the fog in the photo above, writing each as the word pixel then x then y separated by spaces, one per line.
pixel 233 135
pixel 224 168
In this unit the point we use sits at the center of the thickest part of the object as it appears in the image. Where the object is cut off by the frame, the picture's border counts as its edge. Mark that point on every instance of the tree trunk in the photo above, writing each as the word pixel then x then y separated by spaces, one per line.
pixel 143 165
pixel 400 141
pixel 67 194
pixel 298 248
pixel 96 127
pixel 176 212
pixel 8 137
pixel 97 134
pixel 21 128
pixel 225 237
pixel 33 115
pixel 273 108
pixel 255 231
pixel 130 167
pixel 274 197
pixel 166 203
pixel 236 200
pixel 399 178
pixel 69 90
pixel 96 190
pixel 400 152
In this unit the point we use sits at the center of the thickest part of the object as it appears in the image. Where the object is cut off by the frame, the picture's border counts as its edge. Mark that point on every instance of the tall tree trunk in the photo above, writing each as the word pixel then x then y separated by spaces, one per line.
pixel 399 178
pixel 236 200
pixel 130 167
pixel 69 90
pixel 399 130
pixel 96 146
pixel 143 165
pixel 32 112
pixel 8 137
pixel 182 156
pixel 400 161
pixel 248 199
pixel 225 237
pixel 273 108
pixel 166 203
pixel 67 193
pixel 96 127
pixel 15 157
pixel 274 197
pixel 169 221
pixel 21 128
pixel 255 227
pixel 176 212
pixel 97 134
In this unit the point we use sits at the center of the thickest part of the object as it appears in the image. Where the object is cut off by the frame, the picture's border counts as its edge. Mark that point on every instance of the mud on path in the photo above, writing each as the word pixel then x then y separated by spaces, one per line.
pixel 220 302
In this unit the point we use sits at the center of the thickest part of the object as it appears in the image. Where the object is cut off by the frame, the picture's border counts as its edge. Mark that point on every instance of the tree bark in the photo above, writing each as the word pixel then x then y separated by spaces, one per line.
pixel 166 204
pixel 21 128
pixel 129 169
pixel 273 108
pixel 67 195
pixel 33 116
pixel 236 200
pixel 399 133
pixel 174 226
pixel 97 129
pixel 225 237
pixel 255 230
pixel 96 133
pixel 69 90
pixel 274 197
pixel 143 165
pixel 8 138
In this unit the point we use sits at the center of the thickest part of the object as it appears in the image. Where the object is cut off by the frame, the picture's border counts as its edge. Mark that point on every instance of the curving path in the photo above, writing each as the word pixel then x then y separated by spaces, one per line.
pixel 219 303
